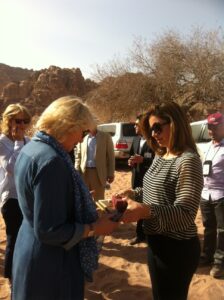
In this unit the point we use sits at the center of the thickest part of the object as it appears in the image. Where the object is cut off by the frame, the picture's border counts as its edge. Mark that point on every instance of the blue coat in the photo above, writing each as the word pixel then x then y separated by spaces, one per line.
pixel 46 263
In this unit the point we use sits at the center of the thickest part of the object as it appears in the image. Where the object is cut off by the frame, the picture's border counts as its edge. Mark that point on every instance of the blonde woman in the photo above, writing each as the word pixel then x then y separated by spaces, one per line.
pixel 56 250
pixel 15 120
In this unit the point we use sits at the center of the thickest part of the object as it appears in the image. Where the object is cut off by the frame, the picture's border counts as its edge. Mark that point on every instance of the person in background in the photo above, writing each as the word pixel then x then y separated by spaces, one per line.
pixel 212 203
pixel 95 160
pixel 169 201
pixel 56 250
pixel 15 120
pixel 141 157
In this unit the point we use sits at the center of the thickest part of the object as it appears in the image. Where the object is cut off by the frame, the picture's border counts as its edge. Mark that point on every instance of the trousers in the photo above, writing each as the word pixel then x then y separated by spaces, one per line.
pixel 172 264
pixel 12 216
pixel 213 222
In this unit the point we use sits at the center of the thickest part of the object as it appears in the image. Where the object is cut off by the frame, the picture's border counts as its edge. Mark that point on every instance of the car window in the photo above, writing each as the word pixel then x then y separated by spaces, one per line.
pixel 200 133
pixel 205 136
pixel 196 131
pixel 128 129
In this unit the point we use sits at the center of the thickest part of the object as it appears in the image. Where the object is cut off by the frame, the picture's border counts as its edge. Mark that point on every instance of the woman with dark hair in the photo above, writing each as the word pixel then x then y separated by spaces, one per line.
pixel 15 121
pixel 170 199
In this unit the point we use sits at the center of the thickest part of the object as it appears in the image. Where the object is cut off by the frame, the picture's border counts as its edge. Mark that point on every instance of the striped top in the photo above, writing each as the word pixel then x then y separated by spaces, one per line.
pixel 172 188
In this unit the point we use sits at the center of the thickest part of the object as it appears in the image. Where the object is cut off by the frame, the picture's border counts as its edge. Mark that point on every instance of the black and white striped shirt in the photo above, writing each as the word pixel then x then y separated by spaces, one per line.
pixel 172 188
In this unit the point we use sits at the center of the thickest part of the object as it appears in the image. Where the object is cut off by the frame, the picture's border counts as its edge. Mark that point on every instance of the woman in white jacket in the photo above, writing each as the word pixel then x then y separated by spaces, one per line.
pixel 15 120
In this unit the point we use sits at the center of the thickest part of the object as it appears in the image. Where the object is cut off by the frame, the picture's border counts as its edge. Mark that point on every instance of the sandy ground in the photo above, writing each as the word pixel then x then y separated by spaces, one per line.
pixel 123 272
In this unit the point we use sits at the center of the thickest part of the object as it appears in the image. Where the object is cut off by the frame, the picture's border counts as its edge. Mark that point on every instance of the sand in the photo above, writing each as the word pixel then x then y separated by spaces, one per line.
pixel 123 272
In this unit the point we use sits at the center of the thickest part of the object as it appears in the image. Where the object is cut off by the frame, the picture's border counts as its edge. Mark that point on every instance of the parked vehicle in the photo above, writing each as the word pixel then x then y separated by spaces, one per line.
pixel 122 134
pixel 200 135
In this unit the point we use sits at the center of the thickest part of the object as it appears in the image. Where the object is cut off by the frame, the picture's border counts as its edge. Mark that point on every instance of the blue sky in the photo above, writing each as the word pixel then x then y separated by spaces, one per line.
pixel 35 34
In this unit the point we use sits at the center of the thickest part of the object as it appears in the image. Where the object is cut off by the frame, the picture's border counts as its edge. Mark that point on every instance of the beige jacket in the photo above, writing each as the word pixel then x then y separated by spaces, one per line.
pixel 104 156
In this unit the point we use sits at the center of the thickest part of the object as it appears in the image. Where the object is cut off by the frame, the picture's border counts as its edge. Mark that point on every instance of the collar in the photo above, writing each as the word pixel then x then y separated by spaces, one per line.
pixel 6 141
pixel 221 143
pixel 92 136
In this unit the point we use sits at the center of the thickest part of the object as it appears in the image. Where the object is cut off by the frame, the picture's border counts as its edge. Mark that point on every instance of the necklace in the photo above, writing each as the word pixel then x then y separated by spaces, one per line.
pixel 214 153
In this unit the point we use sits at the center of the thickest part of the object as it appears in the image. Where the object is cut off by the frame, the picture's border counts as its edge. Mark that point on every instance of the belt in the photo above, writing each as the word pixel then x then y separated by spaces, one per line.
pixel 90 167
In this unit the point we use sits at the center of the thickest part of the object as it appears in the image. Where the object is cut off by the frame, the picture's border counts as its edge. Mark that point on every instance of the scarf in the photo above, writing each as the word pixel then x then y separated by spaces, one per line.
pixel 85 210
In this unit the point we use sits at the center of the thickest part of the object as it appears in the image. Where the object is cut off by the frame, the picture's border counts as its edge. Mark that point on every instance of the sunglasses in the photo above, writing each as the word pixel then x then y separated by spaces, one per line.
pixel 20 121
pixel 158 127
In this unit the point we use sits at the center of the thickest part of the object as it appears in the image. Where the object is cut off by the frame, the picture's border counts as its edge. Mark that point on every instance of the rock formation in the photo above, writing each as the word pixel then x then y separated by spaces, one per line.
pixel 9 74
pixel 39 88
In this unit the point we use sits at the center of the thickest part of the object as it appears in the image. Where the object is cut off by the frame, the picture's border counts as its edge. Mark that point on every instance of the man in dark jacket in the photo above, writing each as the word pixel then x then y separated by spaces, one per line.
pixel 140 160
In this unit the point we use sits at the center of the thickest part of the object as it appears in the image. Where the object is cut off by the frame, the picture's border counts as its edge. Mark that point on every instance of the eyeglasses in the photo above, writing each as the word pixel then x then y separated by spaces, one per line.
pixel 20 121
pixel 84 133
pixel 158 127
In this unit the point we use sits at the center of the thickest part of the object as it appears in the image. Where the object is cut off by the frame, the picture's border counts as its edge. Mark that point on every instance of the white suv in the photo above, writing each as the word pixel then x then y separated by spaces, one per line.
pixel 122 134
pixel 200 135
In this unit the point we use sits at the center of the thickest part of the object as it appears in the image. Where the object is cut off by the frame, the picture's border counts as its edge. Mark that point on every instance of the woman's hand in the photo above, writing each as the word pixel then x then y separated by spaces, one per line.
pixel 104 226
pixel 129 193
pixel 136 211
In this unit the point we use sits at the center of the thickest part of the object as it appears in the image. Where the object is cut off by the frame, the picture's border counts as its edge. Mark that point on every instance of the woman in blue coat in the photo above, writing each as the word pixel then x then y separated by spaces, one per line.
pixel 55 250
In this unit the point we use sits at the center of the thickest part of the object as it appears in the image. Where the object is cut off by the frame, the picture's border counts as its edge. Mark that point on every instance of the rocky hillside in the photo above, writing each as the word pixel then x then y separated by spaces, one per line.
pixel 36 89
pixel 9 74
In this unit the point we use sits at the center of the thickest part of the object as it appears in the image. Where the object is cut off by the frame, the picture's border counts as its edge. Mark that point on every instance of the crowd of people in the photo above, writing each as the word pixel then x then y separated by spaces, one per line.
pixel 48 198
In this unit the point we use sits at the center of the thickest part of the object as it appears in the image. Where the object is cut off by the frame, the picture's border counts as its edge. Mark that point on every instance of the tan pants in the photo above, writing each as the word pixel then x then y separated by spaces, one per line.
pixel 93 183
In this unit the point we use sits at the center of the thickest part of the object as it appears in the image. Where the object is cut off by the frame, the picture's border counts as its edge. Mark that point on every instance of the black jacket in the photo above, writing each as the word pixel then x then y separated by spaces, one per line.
pixel 139 170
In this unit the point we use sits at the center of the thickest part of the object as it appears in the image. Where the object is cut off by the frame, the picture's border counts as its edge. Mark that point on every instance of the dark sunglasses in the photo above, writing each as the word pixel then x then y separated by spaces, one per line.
pixel 84 133
pixel 158 127
pixel 20 121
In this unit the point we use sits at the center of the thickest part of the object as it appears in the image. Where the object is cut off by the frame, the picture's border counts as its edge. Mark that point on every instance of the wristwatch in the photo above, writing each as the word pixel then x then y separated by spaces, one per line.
pixel 91 230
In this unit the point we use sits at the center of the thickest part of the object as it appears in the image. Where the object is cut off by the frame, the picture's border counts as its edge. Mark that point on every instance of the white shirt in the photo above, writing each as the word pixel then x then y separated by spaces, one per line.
pixel 214 183
pixel 9 150
pixel 142 142
pixel 91 151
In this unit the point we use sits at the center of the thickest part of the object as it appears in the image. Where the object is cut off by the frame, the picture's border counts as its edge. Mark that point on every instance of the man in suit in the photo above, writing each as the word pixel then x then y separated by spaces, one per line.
pixel 141 157
pixel 94 159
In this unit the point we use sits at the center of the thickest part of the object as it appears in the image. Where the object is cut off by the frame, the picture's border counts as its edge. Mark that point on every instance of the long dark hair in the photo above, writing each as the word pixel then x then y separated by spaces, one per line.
pixel 180 131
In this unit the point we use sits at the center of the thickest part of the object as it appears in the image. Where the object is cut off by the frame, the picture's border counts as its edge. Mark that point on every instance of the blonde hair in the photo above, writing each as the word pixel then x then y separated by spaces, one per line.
pixel 180 131
pixel 9 113
pixel 63 116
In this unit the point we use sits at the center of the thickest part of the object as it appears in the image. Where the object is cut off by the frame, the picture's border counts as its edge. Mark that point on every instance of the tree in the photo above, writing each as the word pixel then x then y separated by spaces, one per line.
pixel 117 66
pixel 121 98
pixel 188 70
pixel 181 66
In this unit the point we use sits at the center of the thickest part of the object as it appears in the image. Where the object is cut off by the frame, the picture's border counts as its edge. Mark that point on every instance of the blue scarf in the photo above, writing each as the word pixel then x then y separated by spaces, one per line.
pixel 85 210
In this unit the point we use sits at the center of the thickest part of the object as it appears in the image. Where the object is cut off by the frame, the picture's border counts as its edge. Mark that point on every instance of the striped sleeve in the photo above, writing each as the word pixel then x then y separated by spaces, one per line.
pixel 180 215
pixel 172 188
